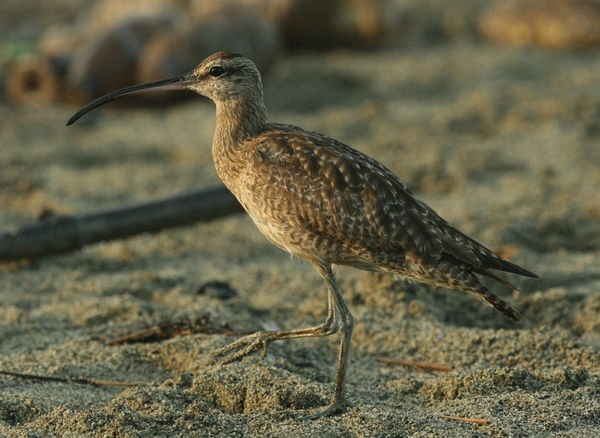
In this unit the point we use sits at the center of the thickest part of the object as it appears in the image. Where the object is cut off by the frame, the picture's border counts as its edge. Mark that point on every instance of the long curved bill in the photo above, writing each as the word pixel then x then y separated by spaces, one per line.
pixel 176 83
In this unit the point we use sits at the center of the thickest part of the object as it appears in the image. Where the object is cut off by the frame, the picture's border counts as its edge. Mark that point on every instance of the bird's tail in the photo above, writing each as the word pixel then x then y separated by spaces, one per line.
pixel 456 276
pixel 491 299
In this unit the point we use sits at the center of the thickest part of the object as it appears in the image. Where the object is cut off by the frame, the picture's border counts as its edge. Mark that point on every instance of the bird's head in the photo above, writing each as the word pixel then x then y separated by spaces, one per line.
pixel 221 77
pixel 224 76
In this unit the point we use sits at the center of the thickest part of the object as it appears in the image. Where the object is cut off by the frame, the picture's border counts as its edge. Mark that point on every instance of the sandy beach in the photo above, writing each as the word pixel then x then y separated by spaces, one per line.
pixel 502 142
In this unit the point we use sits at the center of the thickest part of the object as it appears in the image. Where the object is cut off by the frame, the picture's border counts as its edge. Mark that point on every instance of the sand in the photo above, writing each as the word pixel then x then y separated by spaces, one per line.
pixel 504 143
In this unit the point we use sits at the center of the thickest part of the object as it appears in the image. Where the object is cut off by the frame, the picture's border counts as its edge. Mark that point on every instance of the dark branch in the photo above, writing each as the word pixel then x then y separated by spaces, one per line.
pixel 62 234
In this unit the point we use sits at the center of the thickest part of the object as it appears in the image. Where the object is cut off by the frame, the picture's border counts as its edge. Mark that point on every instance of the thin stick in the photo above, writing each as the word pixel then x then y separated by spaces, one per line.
pixel 467 420
pixel 79 380
pixel 170 329
pixel 422 365
pixel 62 234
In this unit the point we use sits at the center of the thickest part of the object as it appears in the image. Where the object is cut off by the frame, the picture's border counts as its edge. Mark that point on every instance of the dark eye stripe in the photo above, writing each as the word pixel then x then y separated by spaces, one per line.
pixel 217 71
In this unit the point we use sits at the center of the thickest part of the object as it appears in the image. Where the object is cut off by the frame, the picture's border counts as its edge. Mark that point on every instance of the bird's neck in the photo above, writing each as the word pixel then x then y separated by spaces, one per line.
pixel 238 120
pixel 237 123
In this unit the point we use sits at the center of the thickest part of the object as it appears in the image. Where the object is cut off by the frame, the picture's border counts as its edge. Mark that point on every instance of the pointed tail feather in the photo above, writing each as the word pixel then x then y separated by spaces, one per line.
pixel 500 264
pixel 489 298
pixel 494 277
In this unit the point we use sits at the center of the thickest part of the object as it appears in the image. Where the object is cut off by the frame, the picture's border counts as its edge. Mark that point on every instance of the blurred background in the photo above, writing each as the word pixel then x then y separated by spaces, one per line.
pixel 77 50
pixel 489 110
pixel 447 93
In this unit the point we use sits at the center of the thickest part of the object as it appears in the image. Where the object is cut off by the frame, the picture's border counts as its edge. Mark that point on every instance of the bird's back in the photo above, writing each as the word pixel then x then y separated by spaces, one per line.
pixel 322 200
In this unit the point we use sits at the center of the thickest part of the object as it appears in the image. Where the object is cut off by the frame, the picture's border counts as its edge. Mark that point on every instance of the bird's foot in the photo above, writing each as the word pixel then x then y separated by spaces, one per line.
pixel 336 407
pixel 247 345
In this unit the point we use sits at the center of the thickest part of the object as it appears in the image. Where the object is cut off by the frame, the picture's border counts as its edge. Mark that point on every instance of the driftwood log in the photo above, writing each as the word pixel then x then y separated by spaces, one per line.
pixel 60 234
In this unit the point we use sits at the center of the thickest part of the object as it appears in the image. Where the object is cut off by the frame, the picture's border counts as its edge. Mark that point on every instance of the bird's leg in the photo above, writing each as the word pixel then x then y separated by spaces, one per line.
pixel 338 317
pixel 261 340
pixel 346 321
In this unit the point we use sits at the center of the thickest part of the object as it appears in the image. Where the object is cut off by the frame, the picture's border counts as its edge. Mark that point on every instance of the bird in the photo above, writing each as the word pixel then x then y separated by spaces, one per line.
pixel 326 203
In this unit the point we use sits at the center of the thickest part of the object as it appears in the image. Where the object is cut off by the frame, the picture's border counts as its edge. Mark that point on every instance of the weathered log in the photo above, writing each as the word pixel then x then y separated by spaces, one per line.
pixel 60 234
pixel 35 81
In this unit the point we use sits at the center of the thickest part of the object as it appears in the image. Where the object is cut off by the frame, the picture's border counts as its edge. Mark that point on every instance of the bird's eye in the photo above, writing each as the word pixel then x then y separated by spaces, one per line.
pixel 216 71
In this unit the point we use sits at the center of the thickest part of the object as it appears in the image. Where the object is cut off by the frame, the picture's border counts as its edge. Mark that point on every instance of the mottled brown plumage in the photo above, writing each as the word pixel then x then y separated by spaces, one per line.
pixel 326 203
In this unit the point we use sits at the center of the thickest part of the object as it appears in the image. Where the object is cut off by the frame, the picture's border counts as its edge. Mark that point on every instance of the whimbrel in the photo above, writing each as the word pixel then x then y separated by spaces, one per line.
pixel 326 203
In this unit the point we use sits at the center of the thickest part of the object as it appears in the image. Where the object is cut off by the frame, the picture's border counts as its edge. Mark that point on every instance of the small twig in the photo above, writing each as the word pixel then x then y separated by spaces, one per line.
pixel 60 234
pixel 170 329
pixel 466 420
pixel 79 380
pixel 420 365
